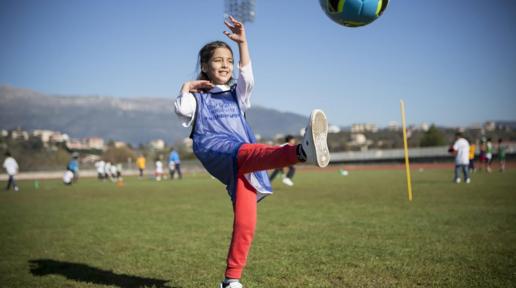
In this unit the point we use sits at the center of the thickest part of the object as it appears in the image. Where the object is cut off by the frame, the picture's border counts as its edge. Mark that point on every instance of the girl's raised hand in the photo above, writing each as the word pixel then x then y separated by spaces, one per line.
pixel 196 86
pixel 237 30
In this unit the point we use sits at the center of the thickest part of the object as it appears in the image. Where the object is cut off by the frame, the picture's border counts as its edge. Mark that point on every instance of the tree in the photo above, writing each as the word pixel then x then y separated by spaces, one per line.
pixel 433 137
pixel 118 155
pixel 33 144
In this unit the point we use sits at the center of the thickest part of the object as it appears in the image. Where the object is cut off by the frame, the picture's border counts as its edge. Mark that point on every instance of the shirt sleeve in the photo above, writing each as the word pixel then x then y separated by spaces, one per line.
pixel 456 145
pixel 185 106
pixel 245 85
pixel 459 144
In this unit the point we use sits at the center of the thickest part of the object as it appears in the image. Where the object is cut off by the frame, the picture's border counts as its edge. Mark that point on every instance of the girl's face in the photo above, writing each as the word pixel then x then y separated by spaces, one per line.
pixel 220 67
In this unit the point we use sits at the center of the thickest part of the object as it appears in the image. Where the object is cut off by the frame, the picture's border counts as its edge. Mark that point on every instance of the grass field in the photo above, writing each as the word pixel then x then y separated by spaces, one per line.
pixel 326 231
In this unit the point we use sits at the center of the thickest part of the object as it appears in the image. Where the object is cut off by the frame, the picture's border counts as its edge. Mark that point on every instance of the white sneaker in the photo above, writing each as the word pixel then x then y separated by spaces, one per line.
pixel 288 182
pixel 468 180
pixel 314 143
pixel 232 285
pixel 457 180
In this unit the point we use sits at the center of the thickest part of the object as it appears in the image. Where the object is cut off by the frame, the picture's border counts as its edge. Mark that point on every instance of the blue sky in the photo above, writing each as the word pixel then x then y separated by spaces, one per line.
pixel 453 62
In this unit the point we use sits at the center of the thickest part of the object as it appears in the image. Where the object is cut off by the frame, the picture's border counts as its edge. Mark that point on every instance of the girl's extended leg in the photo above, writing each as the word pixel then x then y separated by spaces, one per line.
pixel 243 228
pixel 256 157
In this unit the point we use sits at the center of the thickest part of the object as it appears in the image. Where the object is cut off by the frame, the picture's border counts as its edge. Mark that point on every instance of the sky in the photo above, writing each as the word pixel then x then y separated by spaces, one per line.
pixel 453 62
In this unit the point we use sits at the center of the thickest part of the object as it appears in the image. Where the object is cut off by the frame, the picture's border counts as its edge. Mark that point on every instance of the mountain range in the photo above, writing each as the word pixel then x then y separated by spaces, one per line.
pixel 133 120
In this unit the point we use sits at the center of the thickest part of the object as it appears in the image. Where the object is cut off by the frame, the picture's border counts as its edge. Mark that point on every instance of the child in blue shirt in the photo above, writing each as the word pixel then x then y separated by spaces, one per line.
pixel 214 105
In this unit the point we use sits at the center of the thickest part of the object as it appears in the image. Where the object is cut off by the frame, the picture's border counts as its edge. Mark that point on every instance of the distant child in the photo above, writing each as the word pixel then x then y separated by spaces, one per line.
pixel 461 151
pixel 482 154
pixel 11 167
pixel 140 163
pixel 158 173
pixel 174 164
pixel 107 171
pixel 114 172
pixel 119 171
pixel 99 165
pixel 73 166
pixel 489 154
pixel 287 179
pixel 472 150
pixel 502 150
pixel 214 105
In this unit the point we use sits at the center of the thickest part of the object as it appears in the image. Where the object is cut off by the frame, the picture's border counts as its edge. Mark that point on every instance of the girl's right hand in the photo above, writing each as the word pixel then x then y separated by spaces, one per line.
pixel 196 86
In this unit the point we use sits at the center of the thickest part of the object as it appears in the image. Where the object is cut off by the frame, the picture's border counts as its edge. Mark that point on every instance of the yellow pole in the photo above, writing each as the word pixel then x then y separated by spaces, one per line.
pixel 405 146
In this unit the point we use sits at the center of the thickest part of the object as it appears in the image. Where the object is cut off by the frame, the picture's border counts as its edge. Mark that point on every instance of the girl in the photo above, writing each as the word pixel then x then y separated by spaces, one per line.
pixel 214 106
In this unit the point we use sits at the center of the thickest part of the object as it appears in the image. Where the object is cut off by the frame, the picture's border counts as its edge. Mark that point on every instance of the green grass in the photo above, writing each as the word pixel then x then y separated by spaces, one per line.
pixel 326 231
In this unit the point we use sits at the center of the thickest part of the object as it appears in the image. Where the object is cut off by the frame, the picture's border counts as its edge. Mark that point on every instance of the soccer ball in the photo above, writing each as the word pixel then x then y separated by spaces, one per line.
pixel 68 177
pixel 353 13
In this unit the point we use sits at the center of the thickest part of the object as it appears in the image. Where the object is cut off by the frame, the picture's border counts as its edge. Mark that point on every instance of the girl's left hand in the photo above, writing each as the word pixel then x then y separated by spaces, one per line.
pixel 237 29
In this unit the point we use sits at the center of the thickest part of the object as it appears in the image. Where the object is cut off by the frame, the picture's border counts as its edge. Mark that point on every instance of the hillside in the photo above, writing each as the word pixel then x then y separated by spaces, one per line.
pixel 134 120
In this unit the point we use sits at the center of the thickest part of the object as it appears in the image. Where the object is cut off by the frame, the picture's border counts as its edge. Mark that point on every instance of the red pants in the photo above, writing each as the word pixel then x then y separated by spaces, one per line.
pixel 251 157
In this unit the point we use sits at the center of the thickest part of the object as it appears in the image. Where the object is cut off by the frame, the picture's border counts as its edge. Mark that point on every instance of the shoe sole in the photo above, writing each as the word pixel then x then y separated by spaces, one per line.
pixel 319 137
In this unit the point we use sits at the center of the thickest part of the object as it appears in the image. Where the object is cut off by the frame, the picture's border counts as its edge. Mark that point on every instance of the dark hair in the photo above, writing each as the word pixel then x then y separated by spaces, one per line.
pixel 288 138
pixel 7 154
pixel 205 55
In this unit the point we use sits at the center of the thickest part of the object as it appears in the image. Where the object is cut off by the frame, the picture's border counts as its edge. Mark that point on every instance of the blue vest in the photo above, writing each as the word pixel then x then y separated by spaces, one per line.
pixel 218 132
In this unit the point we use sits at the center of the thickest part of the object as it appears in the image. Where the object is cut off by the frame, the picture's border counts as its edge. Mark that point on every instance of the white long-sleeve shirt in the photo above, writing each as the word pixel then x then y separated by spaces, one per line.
pixel 11 166
pixel 462 148
pixel 185 104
